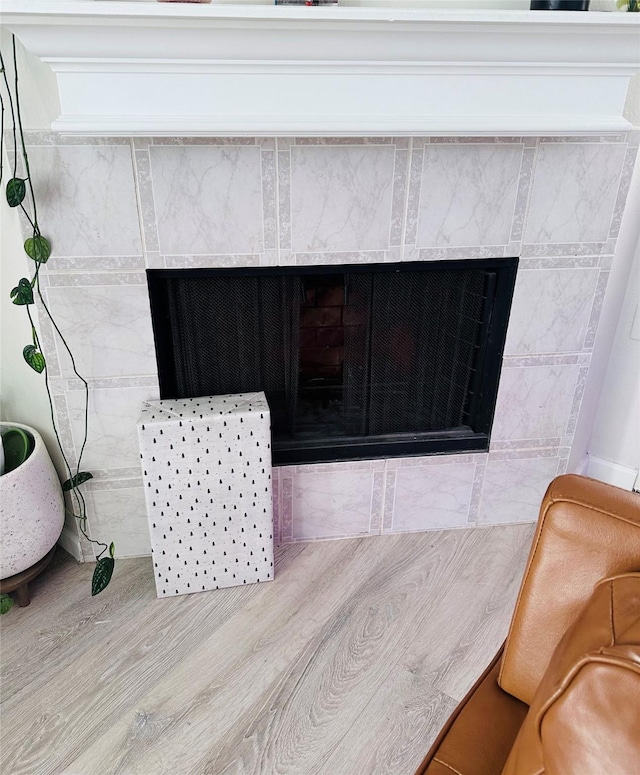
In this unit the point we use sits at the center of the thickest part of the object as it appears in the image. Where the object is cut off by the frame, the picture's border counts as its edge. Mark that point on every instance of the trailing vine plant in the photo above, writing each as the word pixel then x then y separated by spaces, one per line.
pixel 19 193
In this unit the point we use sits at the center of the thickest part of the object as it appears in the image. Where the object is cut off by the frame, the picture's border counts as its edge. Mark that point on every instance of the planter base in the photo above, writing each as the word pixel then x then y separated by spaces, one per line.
pixel 20 582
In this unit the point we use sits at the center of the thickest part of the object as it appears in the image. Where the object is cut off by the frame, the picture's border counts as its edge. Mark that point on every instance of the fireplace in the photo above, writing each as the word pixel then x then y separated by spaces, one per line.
pixel 322 205
pixel 380 360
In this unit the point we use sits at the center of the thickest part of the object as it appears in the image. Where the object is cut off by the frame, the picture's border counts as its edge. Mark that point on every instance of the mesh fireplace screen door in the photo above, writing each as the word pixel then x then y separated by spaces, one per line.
pixel 238 335
pixel 424 329
pixel 356 361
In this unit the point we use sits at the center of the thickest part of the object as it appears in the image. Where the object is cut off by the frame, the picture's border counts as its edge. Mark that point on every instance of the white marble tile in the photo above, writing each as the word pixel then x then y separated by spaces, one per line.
pixel 113 414
pixel 473 139
pixel 413 198
pixel 286 498
pixel 577 252
pixel 509 446
pixel 573 192
pixel 85 279
pixel 468 194
pixel 99 264
pixel 47 337
pixel 454 254
pixel 120 515
pixel 108 328
pixel 269 198
pixel 147 205
pixel 534 402
pixel 581 383
pixel 596 310
pixel 48 137
pixel 399 197
pixel 513 489
pixel 208 198
pixel 522 361
pixel 341 197
pixel 283 159
pixel 191 141
pixel 63 423
pixel 551 310
pixel 476 492
pixel 522 198
pixel 212 262
pixel 277 505
pixel 623 191
pixel 330 505
pixel 560 262
pixel 340 466
pixel 354 257
pixel 377 503
pixel 432 496
pixel 342 140
pixel 86 199
pixel 389 500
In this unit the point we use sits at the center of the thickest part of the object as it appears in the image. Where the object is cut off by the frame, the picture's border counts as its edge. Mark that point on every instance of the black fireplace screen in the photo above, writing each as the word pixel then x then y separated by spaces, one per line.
pixel 355 361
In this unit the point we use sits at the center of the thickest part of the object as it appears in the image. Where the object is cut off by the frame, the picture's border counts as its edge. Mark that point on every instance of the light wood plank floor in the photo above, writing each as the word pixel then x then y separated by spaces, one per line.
pixel 348 663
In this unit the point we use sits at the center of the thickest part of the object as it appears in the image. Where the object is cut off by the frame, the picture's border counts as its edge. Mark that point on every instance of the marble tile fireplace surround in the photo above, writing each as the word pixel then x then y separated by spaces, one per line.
pixel 115 206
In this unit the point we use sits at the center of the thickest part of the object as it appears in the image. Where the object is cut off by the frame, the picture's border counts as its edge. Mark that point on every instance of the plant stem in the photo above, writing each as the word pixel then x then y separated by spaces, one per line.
pixel 13 115
pixel 1 134
pixel 82 518
pixel 28 217
pixel 36 230
pixel 46 382
pixel 75 493
pixel 73 365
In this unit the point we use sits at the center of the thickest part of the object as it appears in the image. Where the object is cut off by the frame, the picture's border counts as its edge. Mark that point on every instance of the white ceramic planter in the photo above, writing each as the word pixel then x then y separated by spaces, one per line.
pixel 31 509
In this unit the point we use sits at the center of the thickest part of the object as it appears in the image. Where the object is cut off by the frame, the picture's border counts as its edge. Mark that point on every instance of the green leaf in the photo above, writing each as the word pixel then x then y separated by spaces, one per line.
pixel 102 575
pixel 77 480
pixel 38 248
pixel 34 358
pixel 23 292
pixel 16 191
pixel 6 601
pixel 112 549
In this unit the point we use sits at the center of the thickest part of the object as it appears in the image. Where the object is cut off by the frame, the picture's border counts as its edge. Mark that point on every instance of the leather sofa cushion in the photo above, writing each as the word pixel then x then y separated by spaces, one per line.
pixel 587 531
pixel 585 716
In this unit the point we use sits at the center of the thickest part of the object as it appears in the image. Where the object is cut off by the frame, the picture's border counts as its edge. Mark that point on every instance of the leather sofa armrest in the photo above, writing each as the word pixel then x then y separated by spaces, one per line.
pixel 587 531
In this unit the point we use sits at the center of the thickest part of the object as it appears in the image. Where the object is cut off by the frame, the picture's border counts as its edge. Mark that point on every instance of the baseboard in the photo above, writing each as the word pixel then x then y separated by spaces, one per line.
pixel 612 473
pixel 70 542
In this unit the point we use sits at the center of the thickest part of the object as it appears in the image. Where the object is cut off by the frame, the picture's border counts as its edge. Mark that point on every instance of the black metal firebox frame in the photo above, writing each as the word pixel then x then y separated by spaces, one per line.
pixel 500 285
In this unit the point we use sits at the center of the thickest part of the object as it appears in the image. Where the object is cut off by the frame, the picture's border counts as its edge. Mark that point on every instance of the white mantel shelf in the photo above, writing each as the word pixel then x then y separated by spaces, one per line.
pixel 141 68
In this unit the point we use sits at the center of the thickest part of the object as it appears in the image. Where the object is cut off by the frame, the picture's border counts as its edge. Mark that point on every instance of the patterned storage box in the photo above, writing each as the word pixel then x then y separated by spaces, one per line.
pixel 207 473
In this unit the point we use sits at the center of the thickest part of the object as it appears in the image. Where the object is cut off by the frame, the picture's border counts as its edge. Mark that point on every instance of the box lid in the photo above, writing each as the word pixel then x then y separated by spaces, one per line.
pixel 204 408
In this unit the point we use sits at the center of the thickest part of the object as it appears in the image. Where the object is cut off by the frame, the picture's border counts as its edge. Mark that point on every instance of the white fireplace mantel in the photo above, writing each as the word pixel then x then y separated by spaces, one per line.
pixel 141 68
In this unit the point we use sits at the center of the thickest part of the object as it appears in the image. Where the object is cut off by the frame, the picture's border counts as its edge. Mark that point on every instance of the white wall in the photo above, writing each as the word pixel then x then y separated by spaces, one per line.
pixel 614 449
pixel 606 440
pixel 632 105
pixel 39 100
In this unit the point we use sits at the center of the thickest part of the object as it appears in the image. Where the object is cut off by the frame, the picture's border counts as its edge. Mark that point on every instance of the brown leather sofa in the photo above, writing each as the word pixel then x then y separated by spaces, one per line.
pixel 563 694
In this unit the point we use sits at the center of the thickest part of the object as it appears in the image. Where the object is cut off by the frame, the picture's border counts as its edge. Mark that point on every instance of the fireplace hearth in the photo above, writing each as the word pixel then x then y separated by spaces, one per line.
pixel 357 362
